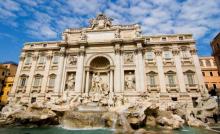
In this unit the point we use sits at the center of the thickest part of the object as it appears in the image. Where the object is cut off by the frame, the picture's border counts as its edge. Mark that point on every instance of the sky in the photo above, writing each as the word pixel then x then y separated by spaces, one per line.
pixel 44 20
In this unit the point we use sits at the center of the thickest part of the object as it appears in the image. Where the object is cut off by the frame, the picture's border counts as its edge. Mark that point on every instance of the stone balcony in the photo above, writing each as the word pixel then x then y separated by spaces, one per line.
pixel 192 88
pixel 186 61
pixel 153 88
pixel 36 89
pixel 26 67
pixel 49 89
pixel 150 62
pixel 172 88
pixel 40 66
pixel 21 89
pixel 169 61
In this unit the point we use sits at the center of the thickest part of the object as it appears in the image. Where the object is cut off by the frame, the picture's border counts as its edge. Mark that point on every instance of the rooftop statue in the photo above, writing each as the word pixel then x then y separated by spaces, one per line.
pixel 100 22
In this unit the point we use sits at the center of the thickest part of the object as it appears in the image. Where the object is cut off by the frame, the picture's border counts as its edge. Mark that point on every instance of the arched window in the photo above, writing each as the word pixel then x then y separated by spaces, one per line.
pixel 51 82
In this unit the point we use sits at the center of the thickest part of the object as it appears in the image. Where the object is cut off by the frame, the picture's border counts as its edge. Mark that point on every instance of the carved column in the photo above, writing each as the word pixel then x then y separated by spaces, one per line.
pixel 32 72
pixel 18 73
pixel 60 70
pixel 161 75
pixel 117 75
pixel 111 81
pixel 140 68
pixel 179 71
pixel 198 68
pixel 87 81
pixel 79 71
pixel 46 73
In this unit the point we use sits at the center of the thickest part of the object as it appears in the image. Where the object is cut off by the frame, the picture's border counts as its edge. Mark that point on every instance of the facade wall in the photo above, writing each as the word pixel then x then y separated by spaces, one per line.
pixel 114 59
pixel 7 72
pixel 210 73
pixel 215 44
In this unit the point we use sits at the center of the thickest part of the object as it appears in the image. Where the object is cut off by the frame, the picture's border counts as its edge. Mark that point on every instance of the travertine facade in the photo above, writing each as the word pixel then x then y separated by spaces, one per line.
pixel 110 60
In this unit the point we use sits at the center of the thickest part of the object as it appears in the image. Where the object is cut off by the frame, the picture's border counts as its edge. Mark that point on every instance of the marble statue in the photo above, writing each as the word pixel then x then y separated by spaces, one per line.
pixel 71 82
pixel 83 35
pixel 97 83
pixel 117 33
pixel 129 81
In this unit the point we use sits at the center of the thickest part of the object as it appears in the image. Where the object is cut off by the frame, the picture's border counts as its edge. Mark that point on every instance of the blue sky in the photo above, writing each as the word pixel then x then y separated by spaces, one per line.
pixel 44 20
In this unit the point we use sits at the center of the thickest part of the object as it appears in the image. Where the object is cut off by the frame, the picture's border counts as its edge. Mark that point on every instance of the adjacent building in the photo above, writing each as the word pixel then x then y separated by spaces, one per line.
pixel 210 73
pixel 215 44
pixel 7 74
pixel 104 60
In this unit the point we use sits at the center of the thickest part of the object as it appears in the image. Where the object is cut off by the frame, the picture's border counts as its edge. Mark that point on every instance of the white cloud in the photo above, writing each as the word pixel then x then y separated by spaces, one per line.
pixel 47 19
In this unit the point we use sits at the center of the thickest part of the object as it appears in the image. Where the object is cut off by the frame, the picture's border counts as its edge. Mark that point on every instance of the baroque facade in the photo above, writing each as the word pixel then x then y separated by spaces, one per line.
pixel 106 60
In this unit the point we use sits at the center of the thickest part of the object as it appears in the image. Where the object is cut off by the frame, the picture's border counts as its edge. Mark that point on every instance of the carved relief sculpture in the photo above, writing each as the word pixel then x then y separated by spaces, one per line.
pixel 129 58
pixel 72 60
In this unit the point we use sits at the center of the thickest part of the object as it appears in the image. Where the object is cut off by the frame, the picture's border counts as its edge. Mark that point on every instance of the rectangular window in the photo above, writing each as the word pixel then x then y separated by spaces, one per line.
pixel 174 98
pixel 33 99
pixel 149 55
pixel 55 59
pixel 167 55
pixel 190 79
pixel 37 81
pixel 211 74
pixel 51 82
pixel 185 54
pixel 171 80
pixel 152 80
pixel 203 73
pixel 28 60
pixel 23 82
pixel 41 60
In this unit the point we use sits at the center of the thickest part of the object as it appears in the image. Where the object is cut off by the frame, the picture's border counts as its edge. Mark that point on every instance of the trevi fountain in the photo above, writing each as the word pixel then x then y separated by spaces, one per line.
pixel 109 78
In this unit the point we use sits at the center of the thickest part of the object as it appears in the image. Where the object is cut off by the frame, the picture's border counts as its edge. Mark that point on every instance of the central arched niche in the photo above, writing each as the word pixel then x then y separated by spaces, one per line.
pixel 99 75
pixel 100 63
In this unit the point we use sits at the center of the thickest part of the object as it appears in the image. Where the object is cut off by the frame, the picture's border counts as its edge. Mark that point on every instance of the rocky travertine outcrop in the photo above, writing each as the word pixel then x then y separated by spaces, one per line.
pixel 124 117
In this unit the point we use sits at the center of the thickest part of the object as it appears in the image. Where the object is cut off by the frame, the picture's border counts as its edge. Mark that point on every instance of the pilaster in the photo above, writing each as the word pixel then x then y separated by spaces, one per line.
pixel 32 72
pixel 79 71
pixel 179 71
pixel 46 73
pixel 161 75
pixel 60 70
pixel 140 68
pixel 117 75
pixel 198 69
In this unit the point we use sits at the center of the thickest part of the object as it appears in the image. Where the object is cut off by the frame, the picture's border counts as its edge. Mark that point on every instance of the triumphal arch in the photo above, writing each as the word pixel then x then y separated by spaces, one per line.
pixel 114 62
